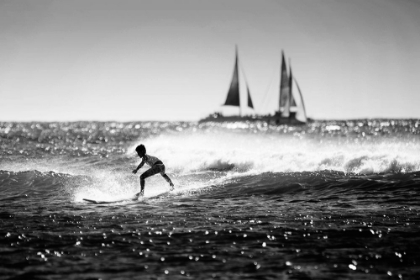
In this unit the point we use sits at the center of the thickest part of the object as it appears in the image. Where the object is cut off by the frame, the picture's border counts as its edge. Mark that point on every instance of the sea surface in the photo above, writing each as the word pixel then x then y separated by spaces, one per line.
pixel 328 200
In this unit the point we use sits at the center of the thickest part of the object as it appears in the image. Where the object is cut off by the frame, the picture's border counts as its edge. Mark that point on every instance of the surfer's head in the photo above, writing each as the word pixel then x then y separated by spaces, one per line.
pixel 141 150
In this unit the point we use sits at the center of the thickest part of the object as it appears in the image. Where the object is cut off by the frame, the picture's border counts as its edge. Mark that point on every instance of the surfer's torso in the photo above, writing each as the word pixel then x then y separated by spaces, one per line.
pixel 151 160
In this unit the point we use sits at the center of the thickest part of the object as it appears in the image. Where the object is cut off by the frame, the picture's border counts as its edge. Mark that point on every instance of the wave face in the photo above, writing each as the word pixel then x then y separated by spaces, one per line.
pixel 360 172
pixel 104 152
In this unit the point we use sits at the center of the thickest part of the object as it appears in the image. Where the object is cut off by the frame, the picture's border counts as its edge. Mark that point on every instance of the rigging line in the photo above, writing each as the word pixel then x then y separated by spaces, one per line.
pixel 270 85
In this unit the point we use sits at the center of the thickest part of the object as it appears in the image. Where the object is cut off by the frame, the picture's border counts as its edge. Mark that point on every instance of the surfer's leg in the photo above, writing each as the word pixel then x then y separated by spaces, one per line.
pixel 169 181
pixel 142 183
pixel 166 177
pixel 141 193
pixel 150 172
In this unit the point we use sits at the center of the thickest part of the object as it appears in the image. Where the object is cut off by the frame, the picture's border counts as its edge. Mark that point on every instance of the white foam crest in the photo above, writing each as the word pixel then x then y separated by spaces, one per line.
pixel 113 186
pixel 40 165
pixel 102 184
pixel 257 153
pixel 107 186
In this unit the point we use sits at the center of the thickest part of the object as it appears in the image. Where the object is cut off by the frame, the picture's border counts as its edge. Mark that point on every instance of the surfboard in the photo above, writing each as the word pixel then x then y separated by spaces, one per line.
pixel 109 202
pixel 160 195
pixel 157 196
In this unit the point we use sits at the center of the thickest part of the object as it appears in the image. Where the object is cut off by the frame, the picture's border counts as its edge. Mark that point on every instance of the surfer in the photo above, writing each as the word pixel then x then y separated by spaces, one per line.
pixel 156 166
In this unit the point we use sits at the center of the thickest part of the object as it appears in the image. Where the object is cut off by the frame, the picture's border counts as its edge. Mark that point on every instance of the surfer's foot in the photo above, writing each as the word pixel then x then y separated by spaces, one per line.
pixel 172 186
pixel 139 194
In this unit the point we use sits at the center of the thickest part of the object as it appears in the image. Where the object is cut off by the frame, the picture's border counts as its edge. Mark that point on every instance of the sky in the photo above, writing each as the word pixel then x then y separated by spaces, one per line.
pixel 173 59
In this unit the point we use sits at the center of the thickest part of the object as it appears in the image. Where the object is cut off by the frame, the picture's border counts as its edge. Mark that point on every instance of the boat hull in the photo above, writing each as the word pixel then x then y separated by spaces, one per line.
pixel 271 119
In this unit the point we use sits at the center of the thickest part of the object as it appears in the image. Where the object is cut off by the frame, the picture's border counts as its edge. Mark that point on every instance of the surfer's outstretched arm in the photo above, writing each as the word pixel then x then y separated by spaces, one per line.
pixel 138 167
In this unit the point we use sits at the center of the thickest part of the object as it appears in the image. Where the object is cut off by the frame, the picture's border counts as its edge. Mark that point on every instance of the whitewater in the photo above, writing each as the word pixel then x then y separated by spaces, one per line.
pixel 327 200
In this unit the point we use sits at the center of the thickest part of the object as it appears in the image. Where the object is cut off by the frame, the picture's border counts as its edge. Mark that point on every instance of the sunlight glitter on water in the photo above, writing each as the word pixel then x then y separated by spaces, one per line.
pixel 251 201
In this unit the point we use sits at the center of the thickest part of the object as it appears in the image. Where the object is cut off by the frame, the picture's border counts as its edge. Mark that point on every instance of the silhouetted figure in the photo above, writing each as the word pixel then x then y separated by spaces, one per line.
pixel 156 166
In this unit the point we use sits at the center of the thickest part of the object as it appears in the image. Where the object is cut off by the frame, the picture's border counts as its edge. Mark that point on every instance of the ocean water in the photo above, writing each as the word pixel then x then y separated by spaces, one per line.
pixel 329 200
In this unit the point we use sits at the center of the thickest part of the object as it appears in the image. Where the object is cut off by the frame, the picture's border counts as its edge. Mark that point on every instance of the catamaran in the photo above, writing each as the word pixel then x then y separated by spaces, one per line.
pixel 289 111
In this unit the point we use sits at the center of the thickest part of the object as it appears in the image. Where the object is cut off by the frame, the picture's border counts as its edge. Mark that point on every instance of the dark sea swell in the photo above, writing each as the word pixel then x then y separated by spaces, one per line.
pixel 333 199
